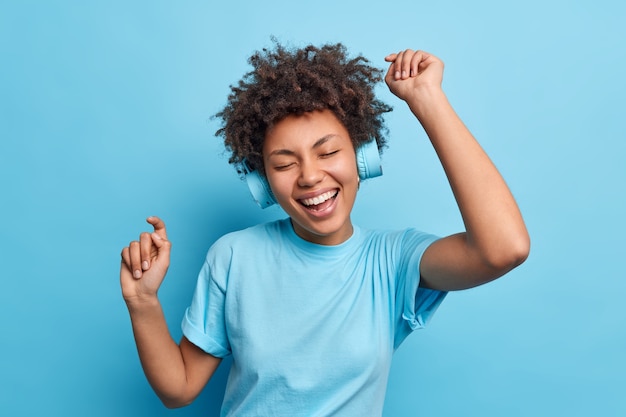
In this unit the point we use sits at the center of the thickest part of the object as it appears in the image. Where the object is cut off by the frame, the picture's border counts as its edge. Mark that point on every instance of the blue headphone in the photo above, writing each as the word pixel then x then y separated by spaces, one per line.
pixel 368 165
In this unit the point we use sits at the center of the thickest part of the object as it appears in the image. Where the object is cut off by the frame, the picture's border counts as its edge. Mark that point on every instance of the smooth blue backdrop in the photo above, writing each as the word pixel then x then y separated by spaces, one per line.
pixel 105 119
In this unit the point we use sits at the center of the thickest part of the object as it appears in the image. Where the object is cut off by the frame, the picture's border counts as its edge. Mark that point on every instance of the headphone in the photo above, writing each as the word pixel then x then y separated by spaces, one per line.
pixel 367 161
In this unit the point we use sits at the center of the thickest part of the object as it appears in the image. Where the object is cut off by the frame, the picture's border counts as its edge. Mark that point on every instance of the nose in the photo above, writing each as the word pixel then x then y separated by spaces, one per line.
pixel 310 173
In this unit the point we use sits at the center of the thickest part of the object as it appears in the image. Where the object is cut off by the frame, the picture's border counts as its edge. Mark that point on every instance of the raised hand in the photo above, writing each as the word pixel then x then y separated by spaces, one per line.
pixel 145 263
pixel 411 73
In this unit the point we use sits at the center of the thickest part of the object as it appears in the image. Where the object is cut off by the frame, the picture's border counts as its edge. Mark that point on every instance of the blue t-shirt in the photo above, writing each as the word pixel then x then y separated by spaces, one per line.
pixel 311 328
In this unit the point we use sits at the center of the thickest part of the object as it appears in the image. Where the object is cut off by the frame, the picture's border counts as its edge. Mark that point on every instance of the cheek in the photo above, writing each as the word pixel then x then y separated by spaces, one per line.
pixel 346 171
pixel 281 186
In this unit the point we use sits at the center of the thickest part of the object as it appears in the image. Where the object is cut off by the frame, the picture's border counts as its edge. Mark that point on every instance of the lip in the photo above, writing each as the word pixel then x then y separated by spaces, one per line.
pixel 320 213
pixel 316 193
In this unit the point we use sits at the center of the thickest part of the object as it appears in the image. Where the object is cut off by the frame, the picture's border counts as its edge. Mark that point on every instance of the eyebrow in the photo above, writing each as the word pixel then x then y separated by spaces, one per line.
pixel 317 144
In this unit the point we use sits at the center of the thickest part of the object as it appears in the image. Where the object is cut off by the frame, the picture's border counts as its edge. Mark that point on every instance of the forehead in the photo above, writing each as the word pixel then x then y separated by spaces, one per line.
pixel 303 131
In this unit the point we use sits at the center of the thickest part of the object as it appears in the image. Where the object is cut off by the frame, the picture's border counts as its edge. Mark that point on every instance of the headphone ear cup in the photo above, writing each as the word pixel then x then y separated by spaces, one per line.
pixel 368 160
pixel 259 188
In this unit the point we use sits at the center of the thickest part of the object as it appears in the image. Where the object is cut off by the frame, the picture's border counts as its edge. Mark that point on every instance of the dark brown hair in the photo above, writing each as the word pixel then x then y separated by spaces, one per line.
pixel 295 81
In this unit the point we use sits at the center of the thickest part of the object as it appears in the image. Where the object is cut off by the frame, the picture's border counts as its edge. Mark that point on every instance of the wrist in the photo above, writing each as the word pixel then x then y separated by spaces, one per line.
pixel 427 100
pixel 140 303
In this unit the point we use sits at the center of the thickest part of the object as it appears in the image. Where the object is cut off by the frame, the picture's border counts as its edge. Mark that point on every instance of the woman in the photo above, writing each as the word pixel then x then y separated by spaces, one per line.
pixel 312 307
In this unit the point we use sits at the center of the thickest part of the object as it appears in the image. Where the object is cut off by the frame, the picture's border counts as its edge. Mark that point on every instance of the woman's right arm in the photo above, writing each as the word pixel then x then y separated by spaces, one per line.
pixel 176 372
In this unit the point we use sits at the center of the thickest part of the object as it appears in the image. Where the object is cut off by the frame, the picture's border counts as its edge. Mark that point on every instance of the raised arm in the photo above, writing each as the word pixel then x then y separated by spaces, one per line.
pixel 177 373
pixel 495 238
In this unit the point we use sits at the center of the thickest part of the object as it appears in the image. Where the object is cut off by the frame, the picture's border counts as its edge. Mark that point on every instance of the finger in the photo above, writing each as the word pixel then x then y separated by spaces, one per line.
pixel 397 66
pixel 389 76
pixel 405 65
pixel 159 226
pixel 135 258
pixel 126 257
pixel 145 248
pixel 419 62
pixel 391 57
pixel 417 58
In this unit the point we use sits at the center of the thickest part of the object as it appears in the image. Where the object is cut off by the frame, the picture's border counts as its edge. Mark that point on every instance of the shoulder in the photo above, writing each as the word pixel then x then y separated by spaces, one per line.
pixel 403 247
pixel 400 238
pixel 248 238
pixel 240 249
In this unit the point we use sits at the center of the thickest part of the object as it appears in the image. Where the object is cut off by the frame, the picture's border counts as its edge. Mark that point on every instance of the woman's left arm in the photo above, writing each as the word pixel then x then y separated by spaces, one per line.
pixel 495 238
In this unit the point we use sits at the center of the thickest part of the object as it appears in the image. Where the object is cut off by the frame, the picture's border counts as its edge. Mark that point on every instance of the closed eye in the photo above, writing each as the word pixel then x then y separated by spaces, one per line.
pixel 329 154
pixel 283 167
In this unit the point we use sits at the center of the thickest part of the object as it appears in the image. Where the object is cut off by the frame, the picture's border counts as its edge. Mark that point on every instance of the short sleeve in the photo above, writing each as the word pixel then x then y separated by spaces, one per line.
pixel 204 320
pixel 414 305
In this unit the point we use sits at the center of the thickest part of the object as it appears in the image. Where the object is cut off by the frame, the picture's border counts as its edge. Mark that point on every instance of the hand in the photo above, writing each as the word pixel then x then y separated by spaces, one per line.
pixel 412 72
pixel 144 263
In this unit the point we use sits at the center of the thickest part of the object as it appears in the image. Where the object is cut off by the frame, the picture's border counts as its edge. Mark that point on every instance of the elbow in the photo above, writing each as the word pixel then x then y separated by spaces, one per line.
pixel 518 255
pixel 522 248
pixel 509 255
pixel 172 402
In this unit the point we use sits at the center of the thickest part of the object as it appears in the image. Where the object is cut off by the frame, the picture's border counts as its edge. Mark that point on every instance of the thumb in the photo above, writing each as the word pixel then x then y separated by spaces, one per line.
pixel 163 247
pixel 160 243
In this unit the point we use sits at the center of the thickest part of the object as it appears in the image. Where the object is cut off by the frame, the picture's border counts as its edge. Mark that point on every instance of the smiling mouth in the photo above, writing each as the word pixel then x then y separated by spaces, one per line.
pixel 319 202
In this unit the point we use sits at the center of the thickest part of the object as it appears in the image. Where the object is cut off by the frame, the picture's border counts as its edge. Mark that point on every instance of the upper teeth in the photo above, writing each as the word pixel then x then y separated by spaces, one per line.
pixel 318 199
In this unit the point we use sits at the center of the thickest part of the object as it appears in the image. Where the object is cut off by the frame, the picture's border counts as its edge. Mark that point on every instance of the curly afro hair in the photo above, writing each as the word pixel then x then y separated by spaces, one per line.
pixel 287 82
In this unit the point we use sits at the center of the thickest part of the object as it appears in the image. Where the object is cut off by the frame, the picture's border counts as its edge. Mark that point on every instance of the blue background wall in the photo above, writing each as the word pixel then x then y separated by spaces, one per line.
pixel 105 119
